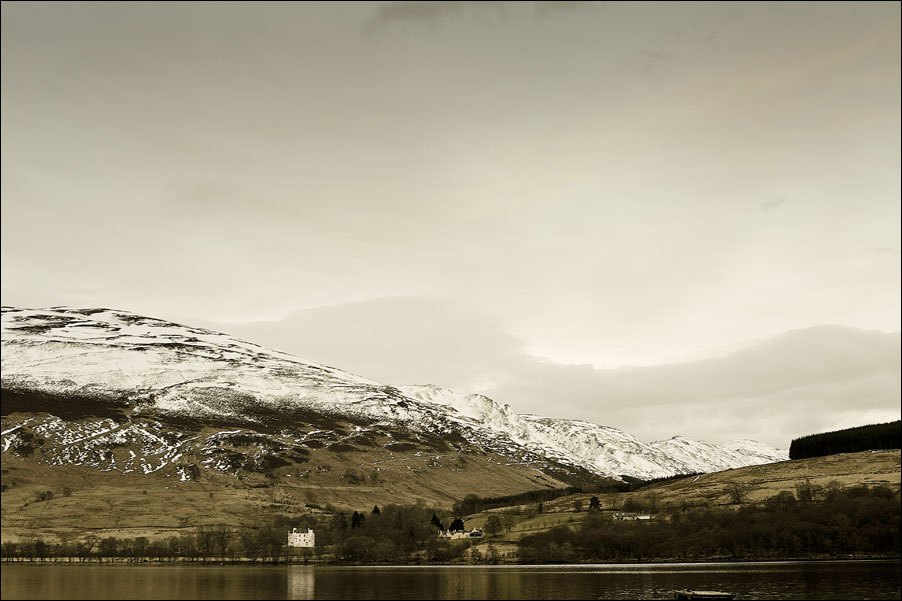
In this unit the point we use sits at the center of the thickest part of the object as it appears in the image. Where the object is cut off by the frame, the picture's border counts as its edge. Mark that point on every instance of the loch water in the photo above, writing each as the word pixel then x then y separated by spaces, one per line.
pixel 770 580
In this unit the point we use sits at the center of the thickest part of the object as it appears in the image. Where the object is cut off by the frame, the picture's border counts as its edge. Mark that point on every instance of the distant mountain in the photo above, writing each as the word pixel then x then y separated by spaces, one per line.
pixel 599 449
pixel 757 450
pixel 122 392
pixel 128 394
pixel 701 456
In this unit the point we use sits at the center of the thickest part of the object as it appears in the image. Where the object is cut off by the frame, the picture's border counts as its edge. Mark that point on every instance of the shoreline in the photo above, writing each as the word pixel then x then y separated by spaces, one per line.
pixel 118 561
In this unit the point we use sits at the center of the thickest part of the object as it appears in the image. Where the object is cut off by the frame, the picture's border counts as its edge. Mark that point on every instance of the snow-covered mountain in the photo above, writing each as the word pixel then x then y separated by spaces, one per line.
pixel 701 456
pixel 756 450
pixel 119 391
pixel 163 367
pixel 600 449
pixel 607 450
pixel 96 380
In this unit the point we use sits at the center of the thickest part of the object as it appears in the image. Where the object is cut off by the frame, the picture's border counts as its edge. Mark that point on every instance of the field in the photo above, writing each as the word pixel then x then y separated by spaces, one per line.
pixel 62 502
pixel 86 501
pixel 870 468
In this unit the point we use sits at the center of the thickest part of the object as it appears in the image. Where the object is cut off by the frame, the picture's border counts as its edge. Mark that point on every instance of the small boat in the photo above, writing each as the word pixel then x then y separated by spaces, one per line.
pixel 684 594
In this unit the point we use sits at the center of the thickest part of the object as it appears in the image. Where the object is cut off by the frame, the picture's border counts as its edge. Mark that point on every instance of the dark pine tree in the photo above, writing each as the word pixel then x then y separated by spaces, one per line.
pixel 437 522
pixel 850 440
pixel 376 510
pixel 357 520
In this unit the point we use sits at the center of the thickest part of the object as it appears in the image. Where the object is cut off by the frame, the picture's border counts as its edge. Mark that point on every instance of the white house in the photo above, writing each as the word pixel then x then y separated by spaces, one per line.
pixel 629 516
pixel 458 534
pixel 296 538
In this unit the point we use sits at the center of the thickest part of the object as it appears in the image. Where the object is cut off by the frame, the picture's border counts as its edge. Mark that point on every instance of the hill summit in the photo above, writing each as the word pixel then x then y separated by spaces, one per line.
pixel 122 392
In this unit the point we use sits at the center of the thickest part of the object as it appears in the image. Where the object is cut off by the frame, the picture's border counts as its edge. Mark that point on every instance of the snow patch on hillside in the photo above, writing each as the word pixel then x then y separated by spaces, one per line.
pixel 152 368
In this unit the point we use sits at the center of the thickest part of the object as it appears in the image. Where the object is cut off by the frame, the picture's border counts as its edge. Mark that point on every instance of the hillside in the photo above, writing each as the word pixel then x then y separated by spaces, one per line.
pixel 849 440
pixel 598 449
pixel 111 419
pixel 759 482
pixel 135 422
pixel 869 468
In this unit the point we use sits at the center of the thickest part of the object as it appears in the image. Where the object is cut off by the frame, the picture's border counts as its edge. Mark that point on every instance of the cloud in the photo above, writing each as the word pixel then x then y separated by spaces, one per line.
pixel 650 60
pixel 433 15
pixel 418 12
pixel 770 205
pixel 549 9
pixel 397 340
pixel 799 382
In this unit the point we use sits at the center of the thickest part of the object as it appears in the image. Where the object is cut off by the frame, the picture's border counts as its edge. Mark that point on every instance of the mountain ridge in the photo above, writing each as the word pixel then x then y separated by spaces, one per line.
pixel 116 363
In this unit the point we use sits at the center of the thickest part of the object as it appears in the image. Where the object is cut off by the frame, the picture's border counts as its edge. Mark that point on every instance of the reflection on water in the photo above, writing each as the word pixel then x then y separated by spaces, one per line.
pixel 301 581
pixel 777 580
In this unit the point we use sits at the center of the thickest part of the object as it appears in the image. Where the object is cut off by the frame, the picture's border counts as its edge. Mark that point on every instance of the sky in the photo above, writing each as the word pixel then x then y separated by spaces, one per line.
pixel 671 218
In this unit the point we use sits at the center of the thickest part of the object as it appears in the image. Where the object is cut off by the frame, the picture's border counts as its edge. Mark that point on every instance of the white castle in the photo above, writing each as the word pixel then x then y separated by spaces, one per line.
pixel 296 538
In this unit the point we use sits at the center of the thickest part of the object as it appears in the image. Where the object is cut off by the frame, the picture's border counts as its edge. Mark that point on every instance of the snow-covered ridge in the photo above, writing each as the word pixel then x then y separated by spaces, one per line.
pixel 158 368
pixel 152 369
pixel 600 449
pixel 173 368
pixel 756 450
pixel 701 456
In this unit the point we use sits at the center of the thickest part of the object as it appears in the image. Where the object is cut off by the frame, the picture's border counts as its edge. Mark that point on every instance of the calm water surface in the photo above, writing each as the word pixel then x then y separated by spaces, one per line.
pixel 777 580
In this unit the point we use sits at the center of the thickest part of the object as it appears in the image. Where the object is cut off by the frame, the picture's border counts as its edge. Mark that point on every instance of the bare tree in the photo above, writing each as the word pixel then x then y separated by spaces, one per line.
pixel 493 525
pixel 507 519
pixel 222 536
pixel 737 493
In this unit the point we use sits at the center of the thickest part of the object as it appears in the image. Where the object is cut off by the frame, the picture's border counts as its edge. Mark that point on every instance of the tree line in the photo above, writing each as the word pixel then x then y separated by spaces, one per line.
pixel 395 533
pixel 471 503
pixel 216 543
pixel 850 440
pixel 815 521
pixel 811 521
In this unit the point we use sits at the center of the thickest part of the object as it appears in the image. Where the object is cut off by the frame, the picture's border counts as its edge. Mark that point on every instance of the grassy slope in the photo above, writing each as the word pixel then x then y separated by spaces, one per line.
pixel 113 504
pixel 762 481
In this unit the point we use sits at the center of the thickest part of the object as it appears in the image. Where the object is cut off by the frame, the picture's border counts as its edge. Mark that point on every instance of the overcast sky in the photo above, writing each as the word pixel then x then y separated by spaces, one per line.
pixel 518 199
